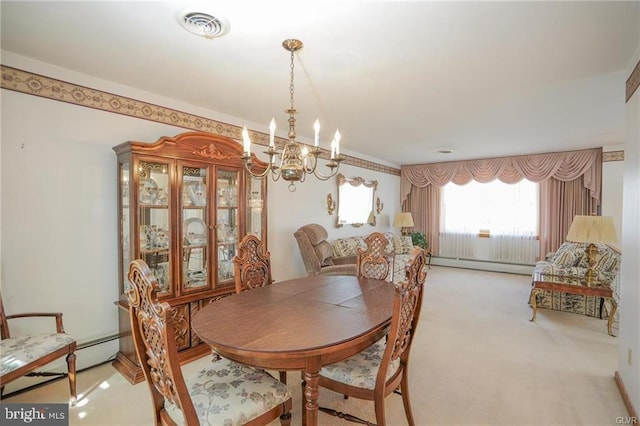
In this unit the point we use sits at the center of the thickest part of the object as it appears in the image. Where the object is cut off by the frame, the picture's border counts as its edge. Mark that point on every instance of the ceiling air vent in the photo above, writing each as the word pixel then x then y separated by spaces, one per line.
pixel 204 25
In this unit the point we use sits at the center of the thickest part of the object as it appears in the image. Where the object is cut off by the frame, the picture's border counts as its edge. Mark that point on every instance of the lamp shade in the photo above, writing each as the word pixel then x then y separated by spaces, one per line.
pixel 403 220
pixel 592 229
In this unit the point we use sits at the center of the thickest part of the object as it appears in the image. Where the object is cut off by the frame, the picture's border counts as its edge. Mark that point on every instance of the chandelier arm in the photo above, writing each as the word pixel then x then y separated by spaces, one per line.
pixel 313 160
pixel 247 166
pixel 257 175
pixel 334 165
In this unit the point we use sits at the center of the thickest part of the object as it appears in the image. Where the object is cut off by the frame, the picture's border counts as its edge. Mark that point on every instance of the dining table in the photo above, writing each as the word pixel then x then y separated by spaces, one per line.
pixel 299 324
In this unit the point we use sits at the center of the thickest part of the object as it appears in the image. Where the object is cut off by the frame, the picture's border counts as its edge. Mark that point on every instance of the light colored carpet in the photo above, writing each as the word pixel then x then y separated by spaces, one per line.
pixel 476 360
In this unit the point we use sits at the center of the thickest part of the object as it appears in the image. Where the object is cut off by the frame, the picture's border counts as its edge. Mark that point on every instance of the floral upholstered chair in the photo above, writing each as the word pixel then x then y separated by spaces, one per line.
pixel 224 393
pixel 378 370
pixel 21 355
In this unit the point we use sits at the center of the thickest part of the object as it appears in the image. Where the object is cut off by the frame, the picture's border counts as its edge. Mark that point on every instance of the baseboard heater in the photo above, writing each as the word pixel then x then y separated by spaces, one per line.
pixel 483 264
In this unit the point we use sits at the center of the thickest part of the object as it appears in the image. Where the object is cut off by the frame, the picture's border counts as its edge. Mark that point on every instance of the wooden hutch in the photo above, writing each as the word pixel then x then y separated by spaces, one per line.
pixel 184 203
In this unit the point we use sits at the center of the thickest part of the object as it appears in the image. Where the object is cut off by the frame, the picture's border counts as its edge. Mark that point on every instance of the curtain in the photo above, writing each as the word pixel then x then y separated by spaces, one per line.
pixel 570 184
pixel 559 203
pixel 424 205
pixel 563 166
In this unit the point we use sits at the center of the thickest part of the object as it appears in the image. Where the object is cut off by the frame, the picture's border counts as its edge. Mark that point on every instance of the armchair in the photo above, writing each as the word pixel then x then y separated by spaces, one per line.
pixel 20 356
pixel 317 253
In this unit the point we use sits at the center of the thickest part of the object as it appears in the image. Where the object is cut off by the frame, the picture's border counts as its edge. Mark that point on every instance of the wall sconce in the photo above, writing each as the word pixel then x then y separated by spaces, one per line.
pixel 379 205
pixel 331 205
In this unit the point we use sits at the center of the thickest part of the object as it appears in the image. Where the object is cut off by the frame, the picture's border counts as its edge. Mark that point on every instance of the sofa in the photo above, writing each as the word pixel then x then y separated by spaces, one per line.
pixel 401 246
pixel 570 260
pixel 339 258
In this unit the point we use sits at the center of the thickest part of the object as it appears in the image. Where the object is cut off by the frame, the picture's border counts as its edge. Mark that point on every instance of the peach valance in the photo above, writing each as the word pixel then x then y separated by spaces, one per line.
pixel 564 166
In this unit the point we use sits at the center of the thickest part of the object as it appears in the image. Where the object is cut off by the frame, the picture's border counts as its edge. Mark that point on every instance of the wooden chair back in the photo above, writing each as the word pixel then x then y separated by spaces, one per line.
pixel 351 377
pixel 155 343
pixel 252 264
pixel 406 312
pixel 5 333
pixel 374 262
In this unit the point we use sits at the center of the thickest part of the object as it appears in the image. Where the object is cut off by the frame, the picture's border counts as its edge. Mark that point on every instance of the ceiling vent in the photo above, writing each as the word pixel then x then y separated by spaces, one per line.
pixel 204 25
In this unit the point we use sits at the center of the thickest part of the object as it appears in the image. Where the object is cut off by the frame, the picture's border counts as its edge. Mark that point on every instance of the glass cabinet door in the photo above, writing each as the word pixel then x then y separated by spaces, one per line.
pixel 227 183
pixel 154 220
pixel 124 175
pixel 195 229
pixel 255 204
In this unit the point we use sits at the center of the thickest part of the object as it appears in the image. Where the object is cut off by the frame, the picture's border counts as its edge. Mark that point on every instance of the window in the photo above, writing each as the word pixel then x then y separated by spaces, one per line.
pixel 503 209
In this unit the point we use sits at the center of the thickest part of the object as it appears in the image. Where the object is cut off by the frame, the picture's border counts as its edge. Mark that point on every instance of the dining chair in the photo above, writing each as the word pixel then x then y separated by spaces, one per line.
pixel 224 392
pixel 22 355
pixel 378 370
pixel 374 261
pixel 252 264
pixel 252 267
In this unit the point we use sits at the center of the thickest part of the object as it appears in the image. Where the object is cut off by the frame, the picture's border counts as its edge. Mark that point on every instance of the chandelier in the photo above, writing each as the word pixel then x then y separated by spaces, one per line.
pixel 296 159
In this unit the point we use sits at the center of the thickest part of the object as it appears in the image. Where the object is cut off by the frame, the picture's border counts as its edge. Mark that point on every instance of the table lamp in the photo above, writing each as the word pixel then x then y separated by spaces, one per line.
pixel 404 221
pixel 592 230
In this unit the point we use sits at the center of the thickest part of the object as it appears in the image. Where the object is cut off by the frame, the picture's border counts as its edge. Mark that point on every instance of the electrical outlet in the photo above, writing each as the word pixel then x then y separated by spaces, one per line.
pixel 629 353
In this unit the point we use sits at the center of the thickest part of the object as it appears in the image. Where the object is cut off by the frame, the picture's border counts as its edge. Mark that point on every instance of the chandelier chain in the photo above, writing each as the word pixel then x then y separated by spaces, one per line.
pixel 291 87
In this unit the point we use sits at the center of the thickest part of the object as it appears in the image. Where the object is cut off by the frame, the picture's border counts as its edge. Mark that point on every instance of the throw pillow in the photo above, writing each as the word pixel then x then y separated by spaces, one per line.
pixel 406 245
pixel 564 258
pixel 348 246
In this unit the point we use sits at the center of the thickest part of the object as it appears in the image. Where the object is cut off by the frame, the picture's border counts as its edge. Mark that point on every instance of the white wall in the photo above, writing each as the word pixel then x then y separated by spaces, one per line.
pixel 58 201
pixel 629 335
pixel 612 183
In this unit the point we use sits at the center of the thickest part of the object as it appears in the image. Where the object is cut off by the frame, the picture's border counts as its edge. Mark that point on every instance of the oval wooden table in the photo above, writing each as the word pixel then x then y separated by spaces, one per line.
pixel 299 324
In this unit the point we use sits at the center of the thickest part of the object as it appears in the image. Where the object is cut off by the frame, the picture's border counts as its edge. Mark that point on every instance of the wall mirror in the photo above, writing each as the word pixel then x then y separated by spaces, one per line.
pixel 356 199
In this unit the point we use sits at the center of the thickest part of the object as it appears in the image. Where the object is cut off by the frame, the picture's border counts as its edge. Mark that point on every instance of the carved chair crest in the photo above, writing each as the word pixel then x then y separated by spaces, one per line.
pixel 252 264
pixel 374 262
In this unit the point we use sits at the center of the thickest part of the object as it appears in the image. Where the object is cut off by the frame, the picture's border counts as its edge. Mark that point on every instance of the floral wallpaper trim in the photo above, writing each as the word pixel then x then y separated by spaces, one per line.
pixel 612 156
pixel 50 88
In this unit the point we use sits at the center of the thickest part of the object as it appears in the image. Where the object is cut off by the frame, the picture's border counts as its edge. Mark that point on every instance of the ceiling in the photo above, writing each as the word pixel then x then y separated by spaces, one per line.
pixel 401 80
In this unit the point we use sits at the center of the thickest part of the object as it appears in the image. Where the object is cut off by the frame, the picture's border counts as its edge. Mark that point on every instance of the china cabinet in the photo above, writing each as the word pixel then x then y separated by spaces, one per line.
pixel 184 203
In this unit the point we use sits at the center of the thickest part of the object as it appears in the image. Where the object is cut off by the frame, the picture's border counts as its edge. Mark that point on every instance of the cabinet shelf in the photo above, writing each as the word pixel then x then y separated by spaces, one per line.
pixel 154 206
pixel 154 251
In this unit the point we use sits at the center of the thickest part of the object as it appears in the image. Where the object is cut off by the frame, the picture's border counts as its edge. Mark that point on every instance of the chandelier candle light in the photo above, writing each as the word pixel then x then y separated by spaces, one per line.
pixel 296 159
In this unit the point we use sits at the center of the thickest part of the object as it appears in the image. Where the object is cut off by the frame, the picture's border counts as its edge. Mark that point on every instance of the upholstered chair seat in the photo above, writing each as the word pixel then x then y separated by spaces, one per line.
pixel 361 369
pixel 228 393
pixel 16 352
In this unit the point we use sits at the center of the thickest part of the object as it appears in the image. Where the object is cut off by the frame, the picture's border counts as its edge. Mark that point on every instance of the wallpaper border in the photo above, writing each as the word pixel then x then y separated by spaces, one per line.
pixel 612 156
pixel 50 88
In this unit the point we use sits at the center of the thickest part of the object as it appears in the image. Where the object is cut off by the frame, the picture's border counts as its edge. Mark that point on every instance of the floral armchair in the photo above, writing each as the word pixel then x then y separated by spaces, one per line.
pixel 570 260
pixel 22 355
